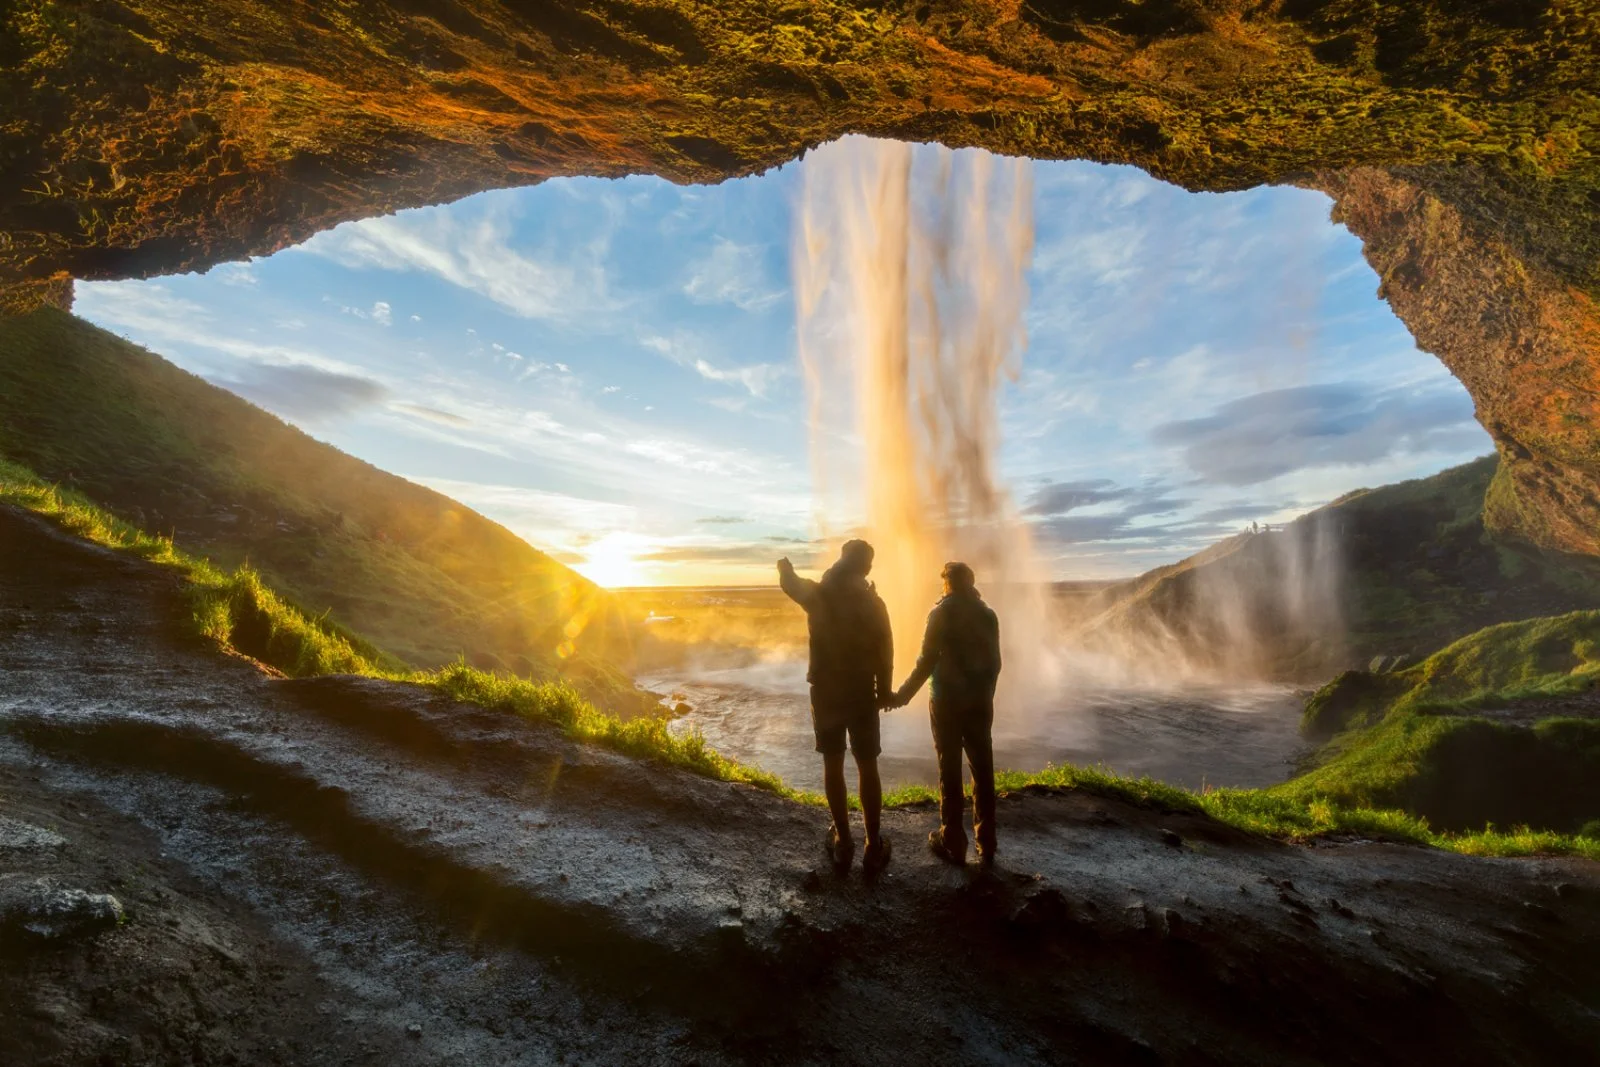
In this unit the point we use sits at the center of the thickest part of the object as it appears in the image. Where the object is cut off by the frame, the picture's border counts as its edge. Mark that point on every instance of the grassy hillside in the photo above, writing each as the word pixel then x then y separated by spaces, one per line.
pixel 1501 726
pixel 1397 571
pixel 1422 571
pixel 425 578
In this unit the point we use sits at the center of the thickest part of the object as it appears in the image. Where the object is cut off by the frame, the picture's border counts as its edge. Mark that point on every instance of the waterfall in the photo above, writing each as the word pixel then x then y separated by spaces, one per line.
pixel 911 287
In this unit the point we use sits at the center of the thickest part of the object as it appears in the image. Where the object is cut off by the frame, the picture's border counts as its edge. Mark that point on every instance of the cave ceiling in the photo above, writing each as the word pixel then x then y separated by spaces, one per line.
pixel 1460 139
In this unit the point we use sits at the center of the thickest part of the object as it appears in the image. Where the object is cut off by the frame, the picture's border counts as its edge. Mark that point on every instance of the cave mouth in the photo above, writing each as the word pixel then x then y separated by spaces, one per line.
pixel 608 366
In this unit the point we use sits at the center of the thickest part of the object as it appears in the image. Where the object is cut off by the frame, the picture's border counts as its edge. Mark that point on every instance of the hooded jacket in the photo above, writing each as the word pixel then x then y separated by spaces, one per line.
pixel 960 650
pixel 852 650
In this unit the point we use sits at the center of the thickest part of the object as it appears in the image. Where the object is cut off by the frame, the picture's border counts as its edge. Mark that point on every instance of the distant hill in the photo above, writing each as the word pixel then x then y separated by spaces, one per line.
pixel 420 575
pixel 1402 570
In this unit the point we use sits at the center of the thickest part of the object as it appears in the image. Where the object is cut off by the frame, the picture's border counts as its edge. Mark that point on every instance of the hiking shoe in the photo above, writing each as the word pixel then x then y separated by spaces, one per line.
pixel 938 846
pixel 986 858
pixel 875 859
pixel 841 850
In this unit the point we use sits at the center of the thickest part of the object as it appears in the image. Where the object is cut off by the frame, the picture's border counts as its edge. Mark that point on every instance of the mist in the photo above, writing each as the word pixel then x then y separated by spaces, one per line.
pixel 911 283
pixel 911 268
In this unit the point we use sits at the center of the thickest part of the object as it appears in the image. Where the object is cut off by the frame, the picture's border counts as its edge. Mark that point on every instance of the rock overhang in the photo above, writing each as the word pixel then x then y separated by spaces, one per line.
pixel 1460 140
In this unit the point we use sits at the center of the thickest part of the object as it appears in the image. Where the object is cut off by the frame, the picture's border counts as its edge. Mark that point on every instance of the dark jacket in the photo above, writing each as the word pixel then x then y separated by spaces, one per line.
pixel 960 650
pixel 852 652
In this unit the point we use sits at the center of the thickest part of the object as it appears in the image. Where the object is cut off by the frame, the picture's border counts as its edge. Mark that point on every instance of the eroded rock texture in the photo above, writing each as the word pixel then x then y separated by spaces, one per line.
pixel 148 136
pixel 1525 343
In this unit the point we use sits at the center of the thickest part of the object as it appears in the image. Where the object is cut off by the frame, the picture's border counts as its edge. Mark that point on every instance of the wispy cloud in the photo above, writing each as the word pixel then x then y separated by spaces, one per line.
pixel 1115 510
pixel 473 253
pixel 1058 498
pixel 756 378
pixel 732 273
pixel 1267 435
pixel 301 393
pixel 684 349
pixel 242 275
pixel 380 312
pixel 151 314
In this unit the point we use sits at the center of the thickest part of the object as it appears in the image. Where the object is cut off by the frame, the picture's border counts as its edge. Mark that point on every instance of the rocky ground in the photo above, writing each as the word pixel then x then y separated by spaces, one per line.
pixel 348 871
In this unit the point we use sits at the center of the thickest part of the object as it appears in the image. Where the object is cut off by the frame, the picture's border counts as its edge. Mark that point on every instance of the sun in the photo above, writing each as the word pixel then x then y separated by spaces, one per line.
pixel 613 560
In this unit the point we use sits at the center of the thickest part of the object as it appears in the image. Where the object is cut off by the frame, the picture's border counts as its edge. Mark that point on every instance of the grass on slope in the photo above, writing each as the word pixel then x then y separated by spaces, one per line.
pixel 1499 665
pixel 233 608
pixel 240 613
pixel 1410 739
pixel 1422 571
pixel 237 607
pixel 423 577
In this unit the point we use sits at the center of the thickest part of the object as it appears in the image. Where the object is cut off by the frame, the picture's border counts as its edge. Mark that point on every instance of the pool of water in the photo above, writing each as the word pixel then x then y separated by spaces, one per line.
pixel 1195 736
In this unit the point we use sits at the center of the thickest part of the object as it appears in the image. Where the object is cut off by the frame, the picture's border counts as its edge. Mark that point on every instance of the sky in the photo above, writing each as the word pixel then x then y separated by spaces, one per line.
pixel 609 367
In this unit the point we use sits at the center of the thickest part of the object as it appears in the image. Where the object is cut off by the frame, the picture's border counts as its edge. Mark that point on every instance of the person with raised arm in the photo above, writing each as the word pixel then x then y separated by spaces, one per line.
pixel 851 674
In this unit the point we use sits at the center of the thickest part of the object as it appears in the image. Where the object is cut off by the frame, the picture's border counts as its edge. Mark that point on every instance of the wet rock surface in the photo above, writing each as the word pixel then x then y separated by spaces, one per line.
pixel 343 870
pixel 42 909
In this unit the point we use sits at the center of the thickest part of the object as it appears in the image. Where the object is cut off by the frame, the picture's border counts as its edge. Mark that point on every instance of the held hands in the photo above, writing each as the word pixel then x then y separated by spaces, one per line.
pixel 896 699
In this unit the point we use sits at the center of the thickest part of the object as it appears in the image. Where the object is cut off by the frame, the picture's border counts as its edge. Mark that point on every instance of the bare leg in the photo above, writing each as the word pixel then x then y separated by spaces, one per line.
pixel 838 797
pixel 871 798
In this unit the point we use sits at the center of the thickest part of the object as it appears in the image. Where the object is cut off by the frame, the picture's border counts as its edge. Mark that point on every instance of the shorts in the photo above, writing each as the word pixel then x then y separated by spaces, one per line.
pixel 857 721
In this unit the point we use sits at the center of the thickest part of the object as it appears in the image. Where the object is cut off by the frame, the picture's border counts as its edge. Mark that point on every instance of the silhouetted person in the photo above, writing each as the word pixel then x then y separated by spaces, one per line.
pixel 852 665
pixel 961 652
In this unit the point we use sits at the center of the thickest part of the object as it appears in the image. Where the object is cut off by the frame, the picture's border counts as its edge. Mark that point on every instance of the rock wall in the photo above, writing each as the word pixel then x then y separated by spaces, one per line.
pixel 141 137
pixel 1524 342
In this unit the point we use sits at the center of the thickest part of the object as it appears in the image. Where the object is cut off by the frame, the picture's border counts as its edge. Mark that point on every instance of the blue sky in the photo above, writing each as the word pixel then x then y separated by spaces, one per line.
pixel 608 367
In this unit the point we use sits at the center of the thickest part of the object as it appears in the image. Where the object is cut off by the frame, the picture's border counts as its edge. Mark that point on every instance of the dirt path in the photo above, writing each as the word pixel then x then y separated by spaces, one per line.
pixel 347 871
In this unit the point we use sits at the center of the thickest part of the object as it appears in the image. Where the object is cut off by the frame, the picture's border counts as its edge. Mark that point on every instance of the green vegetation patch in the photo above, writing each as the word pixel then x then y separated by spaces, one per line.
pixel 1411 740
pixel 1464 772
pixel 418 574
pixel 559 704
pixel 241 614
pixel 235 608
pixel 1499 666
pixel 1511 662
pixel 1354 698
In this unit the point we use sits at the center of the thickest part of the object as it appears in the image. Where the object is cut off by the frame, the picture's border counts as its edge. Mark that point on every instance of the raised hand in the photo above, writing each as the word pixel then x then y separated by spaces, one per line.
pixel 784 566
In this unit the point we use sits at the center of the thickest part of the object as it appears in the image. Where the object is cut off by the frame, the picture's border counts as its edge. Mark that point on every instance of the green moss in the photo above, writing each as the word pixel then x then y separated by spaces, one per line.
pixel 1412 742
pixel 1462 773
pixel 1504 664
pixel 560 705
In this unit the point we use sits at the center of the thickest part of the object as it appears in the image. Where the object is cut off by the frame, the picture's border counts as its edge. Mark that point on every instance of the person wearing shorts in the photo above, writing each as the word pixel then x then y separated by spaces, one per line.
pixel 852 662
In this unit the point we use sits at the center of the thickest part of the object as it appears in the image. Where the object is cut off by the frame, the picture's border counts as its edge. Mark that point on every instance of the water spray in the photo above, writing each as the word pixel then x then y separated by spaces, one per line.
pixel 911 284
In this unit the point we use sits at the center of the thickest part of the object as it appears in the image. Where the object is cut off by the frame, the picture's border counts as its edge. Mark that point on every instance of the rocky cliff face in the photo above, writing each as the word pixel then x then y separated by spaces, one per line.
pixel 147 136
pixel 1523 340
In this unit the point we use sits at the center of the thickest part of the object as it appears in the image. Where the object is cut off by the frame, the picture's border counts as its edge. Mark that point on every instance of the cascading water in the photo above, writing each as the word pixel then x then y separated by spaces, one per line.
pixel 911 283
